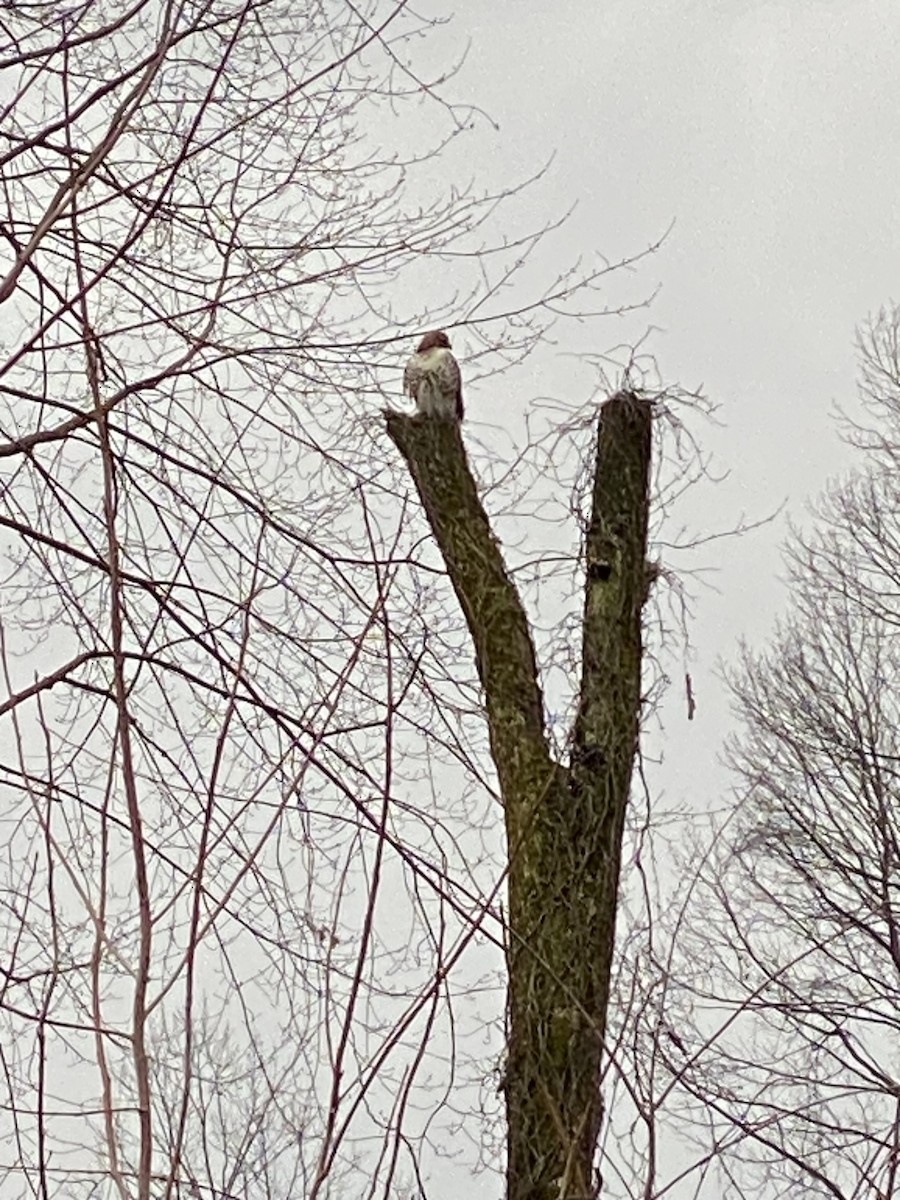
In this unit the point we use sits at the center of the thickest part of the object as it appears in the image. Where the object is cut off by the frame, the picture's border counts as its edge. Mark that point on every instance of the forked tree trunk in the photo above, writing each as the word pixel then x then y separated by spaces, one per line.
pixel 564 822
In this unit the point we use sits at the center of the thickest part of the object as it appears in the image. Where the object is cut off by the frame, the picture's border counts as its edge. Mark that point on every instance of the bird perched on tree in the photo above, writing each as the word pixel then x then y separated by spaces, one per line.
pixel 433 380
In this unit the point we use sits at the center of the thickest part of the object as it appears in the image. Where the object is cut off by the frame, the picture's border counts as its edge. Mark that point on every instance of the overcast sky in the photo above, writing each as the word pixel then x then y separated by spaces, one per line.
pixel 769 134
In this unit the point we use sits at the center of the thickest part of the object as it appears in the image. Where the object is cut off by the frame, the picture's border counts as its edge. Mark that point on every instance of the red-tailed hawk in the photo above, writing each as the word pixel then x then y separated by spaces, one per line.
pixel 433 380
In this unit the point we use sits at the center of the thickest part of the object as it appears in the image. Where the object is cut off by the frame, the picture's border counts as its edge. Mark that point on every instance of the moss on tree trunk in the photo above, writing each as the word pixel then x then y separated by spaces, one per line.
pixel 564 823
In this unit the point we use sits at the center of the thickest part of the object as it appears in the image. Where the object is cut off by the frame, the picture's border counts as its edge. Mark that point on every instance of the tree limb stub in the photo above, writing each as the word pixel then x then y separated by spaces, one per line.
pixel 564 824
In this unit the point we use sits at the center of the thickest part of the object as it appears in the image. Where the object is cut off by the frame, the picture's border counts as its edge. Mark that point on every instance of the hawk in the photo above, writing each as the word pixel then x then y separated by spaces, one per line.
pixel 433 380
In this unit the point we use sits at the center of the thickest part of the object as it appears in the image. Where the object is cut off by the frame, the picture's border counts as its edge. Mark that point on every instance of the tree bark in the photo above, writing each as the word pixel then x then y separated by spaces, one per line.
pixel 564 823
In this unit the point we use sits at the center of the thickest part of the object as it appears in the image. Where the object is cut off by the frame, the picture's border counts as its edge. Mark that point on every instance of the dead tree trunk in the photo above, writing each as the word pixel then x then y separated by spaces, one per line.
pixel 564 822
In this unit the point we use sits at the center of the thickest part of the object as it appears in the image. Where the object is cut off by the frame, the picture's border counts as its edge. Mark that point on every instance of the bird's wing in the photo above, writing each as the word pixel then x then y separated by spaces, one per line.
pixel 451 379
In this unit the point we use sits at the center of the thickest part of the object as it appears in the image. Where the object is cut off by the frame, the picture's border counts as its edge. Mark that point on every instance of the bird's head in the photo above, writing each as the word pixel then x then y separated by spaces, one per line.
pixel 437 337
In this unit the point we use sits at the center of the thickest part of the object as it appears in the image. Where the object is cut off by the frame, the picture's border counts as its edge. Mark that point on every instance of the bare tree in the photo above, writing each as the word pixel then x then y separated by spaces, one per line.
pixel 564 820
pixel 249 829
pixel 791 980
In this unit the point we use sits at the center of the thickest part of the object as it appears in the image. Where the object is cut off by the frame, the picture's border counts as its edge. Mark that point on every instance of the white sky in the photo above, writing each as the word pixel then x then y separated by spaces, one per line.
pixel 769 133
